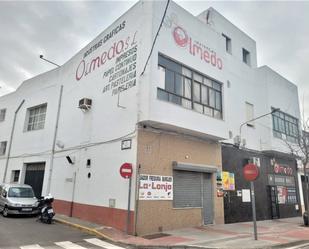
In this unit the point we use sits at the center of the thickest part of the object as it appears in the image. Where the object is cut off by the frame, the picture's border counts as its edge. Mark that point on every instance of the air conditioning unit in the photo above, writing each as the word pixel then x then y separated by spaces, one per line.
pixel 85 104
pixel 237 140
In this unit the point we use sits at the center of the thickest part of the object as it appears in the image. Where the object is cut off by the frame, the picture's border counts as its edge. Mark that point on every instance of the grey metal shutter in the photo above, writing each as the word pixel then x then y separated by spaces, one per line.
pixel 208 199
pixel 187 189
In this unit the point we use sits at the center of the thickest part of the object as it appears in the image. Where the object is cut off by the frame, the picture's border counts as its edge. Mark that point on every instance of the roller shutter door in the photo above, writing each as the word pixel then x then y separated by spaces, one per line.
pixel 187 189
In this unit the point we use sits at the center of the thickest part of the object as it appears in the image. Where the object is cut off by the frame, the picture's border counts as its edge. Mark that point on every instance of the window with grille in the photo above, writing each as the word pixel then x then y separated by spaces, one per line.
pixel 188 88
pixel 2 114
pixel 285 126
pixel 2 148
pixel 36 117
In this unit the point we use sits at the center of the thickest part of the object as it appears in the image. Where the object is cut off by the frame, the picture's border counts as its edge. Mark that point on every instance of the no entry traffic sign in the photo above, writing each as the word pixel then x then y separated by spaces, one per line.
pixel 250 172
pixel 126 170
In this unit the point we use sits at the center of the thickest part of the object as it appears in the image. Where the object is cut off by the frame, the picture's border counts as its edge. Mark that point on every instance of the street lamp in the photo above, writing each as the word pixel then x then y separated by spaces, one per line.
pixel 240 127
pixel 42 57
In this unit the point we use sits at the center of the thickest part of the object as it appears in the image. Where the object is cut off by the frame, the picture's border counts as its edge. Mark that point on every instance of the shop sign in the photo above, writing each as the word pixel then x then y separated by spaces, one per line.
pixel 282 194
pixel 114 57
pixel 225 181
pixel 154 187
pixel 246 195
pixel 228 180
pixel 195 47
pixel 283 169
pixel 220 192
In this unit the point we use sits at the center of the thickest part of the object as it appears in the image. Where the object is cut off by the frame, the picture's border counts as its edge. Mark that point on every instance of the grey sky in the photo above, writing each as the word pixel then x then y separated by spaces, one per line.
pixel 60 29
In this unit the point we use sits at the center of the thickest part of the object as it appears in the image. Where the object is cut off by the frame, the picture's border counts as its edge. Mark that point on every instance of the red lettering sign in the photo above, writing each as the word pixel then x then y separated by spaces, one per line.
pixel 196 48
pixel 280 169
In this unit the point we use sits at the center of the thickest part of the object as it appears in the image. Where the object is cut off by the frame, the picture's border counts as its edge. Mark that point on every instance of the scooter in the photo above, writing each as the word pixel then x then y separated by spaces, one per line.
pixel 46 212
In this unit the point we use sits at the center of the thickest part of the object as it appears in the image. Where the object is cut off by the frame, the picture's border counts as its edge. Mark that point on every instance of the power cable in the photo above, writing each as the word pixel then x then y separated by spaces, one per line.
pixel 155 39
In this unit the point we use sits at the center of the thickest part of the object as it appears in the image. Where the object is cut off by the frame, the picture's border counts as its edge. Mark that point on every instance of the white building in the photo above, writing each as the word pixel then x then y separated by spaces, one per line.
pixel 165 116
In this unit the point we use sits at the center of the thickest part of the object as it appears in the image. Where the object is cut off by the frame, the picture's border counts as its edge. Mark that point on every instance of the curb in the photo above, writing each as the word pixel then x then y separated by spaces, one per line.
pixel 138 246
pixel 85 229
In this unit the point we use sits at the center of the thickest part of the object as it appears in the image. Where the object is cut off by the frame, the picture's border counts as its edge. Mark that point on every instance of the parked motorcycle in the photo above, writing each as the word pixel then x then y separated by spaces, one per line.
pixel 46 212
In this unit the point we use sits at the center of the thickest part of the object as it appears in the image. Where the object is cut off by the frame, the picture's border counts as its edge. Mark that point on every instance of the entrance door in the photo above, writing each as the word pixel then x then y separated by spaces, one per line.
pixel 207 199
pixel 274 202
pixel 35 177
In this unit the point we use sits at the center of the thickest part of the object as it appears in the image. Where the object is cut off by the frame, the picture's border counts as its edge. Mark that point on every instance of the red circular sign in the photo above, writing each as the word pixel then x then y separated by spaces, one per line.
pixel 180 36
pixel 250 172
pixel 126 170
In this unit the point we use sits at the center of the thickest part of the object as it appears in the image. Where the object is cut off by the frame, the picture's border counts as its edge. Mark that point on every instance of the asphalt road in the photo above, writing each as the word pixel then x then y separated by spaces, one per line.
pixel 21 231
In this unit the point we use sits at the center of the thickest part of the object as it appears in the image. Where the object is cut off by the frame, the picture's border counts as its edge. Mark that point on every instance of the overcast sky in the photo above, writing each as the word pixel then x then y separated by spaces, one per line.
pixel 60 29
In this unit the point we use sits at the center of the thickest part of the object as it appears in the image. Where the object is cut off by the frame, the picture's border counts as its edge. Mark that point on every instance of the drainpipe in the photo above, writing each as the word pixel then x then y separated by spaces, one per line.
pixel 54 142
pixel 11 139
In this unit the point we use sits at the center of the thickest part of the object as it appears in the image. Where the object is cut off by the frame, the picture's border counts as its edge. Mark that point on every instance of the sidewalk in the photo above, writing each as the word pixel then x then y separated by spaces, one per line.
pixel 271 234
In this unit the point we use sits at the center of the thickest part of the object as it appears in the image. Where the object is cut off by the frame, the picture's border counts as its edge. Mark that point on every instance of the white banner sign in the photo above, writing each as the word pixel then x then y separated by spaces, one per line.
pixel 152 187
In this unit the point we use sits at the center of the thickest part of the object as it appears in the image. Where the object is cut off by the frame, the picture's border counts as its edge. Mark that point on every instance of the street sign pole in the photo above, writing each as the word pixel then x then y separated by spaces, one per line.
pixel 251 173
pixel 126 171
pixel 253 209
pixel 129 202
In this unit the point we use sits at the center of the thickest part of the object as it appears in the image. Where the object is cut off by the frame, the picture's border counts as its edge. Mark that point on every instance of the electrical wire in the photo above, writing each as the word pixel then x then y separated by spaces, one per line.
pixel 75 148
pixel 155 39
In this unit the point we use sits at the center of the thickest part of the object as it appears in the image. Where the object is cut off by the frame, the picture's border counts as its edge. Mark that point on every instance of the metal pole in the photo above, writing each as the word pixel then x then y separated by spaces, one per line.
pixel 240 127
pixel 73 194
pixel 54 142
pixel 11 140
pixel 253 209
pixel 136 198
pixel 129 204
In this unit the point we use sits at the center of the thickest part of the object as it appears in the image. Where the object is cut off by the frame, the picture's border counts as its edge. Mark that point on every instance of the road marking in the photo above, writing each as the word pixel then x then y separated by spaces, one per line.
pixel 103 244
pixel 69 245
pixel 299 246
pixel 36 246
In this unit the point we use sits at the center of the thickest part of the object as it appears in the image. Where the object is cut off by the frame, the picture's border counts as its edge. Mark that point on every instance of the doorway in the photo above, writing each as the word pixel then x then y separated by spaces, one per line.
pixel 274 206
pixel 35 176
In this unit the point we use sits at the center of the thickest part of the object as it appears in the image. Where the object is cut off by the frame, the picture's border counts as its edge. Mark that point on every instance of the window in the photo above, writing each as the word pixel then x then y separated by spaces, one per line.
pixel 2 114
pixel 285 126
pixel 188 88
pixel 36 117
pixel 249 114
pixel 228 44
pixel 246 56
pixel 2 148
pixel 15 175
pixel 21 192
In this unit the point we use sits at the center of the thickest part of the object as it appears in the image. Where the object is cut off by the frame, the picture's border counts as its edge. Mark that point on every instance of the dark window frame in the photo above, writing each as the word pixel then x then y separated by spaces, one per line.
pixel 228 43
pixel 282 122
pixel 3 145
pixel 215 85
pixel 2 114
pixel 246 56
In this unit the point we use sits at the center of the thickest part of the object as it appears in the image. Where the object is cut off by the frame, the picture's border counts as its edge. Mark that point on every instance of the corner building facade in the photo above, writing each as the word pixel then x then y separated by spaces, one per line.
pixel 166 116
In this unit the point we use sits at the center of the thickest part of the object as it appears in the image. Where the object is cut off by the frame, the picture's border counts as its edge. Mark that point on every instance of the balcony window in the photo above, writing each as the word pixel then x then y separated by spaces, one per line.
pixel 188 88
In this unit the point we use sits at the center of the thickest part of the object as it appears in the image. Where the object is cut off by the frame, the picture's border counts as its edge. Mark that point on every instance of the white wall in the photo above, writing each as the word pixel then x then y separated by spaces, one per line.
pixel 97 133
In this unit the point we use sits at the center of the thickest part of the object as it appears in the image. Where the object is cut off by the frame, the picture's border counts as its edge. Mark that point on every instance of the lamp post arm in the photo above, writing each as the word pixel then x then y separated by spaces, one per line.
pixel 240 127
